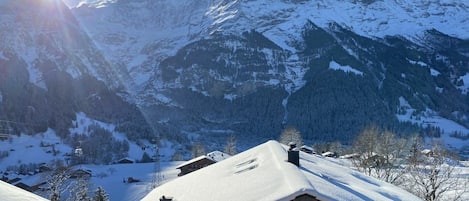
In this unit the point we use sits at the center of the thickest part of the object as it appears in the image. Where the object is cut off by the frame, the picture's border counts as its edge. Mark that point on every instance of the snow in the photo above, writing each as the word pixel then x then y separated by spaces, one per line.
pixel 26 149
pixel 230 96
pixel 262 173
pixel 294 72
pixel 139 35
pixel 465 87
pixel 12 193
pixel 434 72
pixel 111 177
pixel 215 156
pixel 3 57
pixel 431 118
pixel 83 122
pixel 35 76
pixel 347 69
pixel 420 63
pixel 136 34
pixel 163 99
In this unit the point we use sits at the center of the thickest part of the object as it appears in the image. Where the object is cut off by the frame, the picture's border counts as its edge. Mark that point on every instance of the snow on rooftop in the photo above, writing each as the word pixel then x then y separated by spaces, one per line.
pixel 215 156
pixel 12 193
pixel 218 156
pixel 262 173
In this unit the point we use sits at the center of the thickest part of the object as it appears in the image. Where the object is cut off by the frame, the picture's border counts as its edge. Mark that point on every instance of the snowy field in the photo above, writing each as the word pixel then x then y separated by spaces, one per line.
pixel 118 190
pixel 40 148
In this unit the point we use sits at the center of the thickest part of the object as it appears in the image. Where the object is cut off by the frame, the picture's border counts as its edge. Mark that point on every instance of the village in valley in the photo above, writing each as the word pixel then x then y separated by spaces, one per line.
pixel 275 170
pixel 234 100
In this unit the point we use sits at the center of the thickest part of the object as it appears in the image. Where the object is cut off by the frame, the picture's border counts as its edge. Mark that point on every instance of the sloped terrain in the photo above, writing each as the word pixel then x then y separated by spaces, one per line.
pixel 211 68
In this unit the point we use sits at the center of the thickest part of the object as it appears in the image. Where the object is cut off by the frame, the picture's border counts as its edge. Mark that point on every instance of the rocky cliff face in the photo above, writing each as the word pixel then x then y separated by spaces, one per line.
pixel 50 69
pixel 244 67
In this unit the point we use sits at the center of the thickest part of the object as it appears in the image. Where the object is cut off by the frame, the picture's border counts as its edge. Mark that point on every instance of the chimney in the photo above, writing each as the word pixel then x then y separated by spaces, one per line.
pixel 293 154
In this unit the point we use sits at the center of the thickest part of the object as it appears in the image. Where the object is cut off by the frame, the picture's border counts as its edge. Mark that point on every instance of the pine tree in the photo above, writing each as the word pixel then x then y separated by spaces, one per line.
pixel 145 158
pixel 100 195
pixel 79 190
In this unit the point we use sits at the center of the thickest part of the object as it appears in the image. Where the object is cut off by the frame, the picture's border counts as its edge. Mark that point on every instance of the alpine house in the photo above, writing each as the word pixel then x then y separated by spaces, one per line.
pixel 269 172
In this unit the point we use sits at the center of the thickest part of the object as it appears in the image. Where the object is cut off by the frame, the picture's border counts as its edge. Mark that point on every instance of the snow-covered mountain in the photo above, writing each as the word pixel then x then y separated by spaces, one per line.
pixel 50 68
pixel 214 67
pixel 141 34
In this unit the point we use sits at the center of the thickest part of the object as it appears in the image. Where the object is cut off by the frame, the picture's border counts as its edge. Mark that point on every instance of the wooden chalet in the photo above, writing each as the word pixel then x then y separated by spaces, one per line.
pixel 125 160
pixel 81 173
pixel 201 162
pixel 195 164
pixel 307 149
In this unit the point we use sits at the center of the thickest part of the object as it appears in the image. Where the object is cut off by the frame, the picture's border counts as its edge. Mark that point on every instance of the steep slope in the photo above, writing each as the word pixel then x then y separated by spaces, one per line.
pixel 252 67
pixel 214 67
pixel 50 69
pixel 140 34
pixel 354 81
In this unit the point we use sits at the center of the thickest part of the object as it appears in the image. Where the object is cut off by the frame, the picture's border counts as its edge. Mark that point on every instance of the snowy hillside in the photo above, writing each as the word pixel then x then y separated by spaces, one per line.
pixel 21 157
pixel 275 53
pixel 140 34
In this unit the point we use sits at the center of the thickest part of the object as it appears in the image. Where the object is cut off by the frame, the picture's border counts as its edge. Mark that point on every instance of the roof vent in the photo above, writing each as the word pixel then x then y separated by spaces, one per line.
pixel 293 154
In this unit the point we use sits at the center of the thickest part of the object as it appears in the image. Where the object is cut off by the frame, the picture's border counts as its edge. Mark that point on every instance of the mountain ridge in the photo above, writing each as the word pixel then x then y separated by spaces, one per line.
pixel 201 70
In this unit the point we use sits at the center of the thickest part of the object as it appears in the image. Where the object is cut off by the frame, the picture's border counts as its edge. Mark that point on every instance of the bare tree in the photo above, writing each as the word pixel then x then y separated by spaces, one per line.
pixel 291 134
pixel 198 149
pixel 432 176
pixel 177 156
pixel 230 147
pixel 365 145
pixel 100 195
pixel 380 154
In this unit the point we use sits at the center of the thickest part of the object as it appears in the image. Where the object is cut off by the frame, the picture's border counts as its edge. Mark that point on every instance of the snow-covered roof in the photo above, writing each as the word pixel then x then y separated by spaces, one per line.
pixel 215 156
pixel 12 193
pixel 263 173
pixel 218 156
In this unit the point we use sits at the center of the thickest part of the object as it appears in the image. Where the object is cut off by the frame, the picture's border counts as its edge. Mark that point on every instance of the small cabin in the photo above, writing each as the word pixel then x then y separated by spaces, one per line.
pixel 125 161
pixel 44 168
pixel 23 186
pixel 307 149
pixel 195 164
pixel 201 162
pixel 81 173
pixel 329 154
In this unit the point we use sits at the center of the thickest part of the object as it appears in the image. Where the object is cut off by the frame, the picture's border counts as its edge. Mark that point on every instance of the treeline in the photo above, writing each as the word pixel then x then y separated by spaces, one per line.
pixel 99 147
pixel 427 170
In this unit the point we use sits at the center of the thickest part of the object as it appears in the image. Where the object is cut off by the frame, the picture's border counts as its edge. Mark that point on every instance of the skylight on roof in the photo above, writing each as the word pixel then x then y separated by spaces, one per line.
pixel 246 166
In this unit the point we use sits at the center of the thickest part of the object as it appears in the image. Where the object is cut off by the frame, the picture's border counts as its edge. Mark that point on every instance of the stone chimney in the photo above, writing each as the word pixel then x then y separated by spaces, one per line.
pixel 293 154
